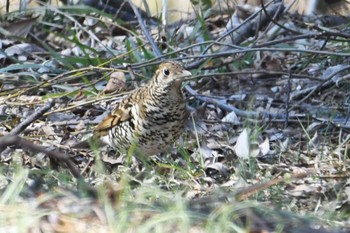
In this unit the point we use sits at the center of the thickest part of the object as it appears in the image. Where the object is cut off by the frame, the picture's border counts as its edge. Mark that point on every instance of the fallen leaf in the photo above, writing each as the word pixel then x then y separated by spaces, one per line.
pixel 242 145
pixel 116 83
pixel 21 28
pixel 23 49
pixel 231 118
pixel 265 146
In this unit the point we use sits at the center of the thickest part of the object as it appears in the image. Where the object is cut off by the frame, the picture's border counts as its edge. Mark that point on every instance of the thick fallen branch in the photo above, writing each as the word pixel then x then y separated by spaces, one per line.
pixel 18 142
pixel 238 34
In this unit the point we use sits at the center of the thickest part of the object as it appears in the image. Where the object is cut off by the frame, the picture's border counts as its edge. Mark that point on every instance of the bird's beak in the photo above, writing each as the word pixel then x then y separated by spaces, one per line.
pixel 185 73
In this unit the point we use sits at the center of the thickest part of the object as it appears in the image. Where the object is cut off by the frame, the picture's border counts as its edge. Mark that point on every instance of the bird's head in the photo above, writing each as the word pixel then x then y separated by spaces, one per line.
pixel 169 75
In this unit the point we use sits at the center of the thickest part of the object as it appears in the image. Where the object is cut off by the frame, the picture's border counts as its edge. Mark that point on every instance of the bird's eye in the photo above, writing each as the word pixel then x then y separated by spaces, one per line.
pixel 166 72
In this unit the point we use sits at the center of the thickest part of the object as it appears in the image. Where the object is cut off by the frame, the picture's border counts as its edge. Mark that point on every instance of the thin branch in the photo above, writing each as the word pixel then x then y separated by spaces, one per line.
pixel 36 115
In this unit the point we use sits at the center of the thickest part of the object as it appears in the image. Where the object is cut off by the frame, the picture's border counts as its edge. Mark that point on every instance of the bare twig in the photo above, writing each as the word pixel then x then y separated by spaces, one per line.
pixel 36 115
pixel 246 192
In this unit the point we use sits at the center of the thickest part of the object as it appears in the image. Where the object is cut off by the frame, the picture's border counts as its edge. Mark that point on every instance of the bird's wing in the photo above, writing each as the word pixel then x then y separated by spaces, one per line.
pixel 122 113
pixel 111 120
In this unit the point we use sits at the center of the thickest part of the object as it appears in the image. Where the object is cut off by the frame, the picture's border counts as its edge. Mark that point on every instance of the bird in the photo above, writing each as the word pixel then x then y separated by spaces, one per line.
pixel 151 118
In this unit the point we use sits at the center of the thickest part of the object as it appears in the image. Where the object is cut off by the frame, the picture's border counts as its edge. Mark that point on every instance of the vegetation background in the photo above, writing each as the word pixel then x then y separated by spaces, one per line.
pixel 266 146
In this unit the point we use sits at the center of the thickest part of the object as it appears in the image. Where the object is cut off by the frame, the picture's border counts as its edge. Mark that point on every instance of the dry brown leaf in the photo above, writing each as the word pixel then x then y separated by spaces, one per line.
pixel 21 28
pixel 116 83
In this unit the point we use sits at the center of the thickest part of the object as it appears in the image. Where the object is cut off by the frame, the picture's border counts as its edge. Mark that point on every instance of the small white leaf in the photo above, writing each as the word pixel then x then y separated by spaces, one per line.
pixel 284 145
pixel 265 146
pixel 231 118
pixel 315 141
pixel 242 145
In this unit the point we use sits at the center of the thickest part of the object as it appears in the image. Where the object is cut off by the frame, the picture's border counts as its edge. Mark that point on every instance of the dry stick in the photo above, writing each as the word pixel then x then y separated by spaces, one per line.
pixel 145 31
pixel 253 72
pixel 251 114
pixel 241 33
pixel 36 115
pixel 325 82
pixel 12 139
pixel 95 101
pixel 288 39
pixel 241 30
pixel 246 50
pixel 19 142
pixel 154 61
pixel 246 192
pixel 248 114
pixel 273 20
